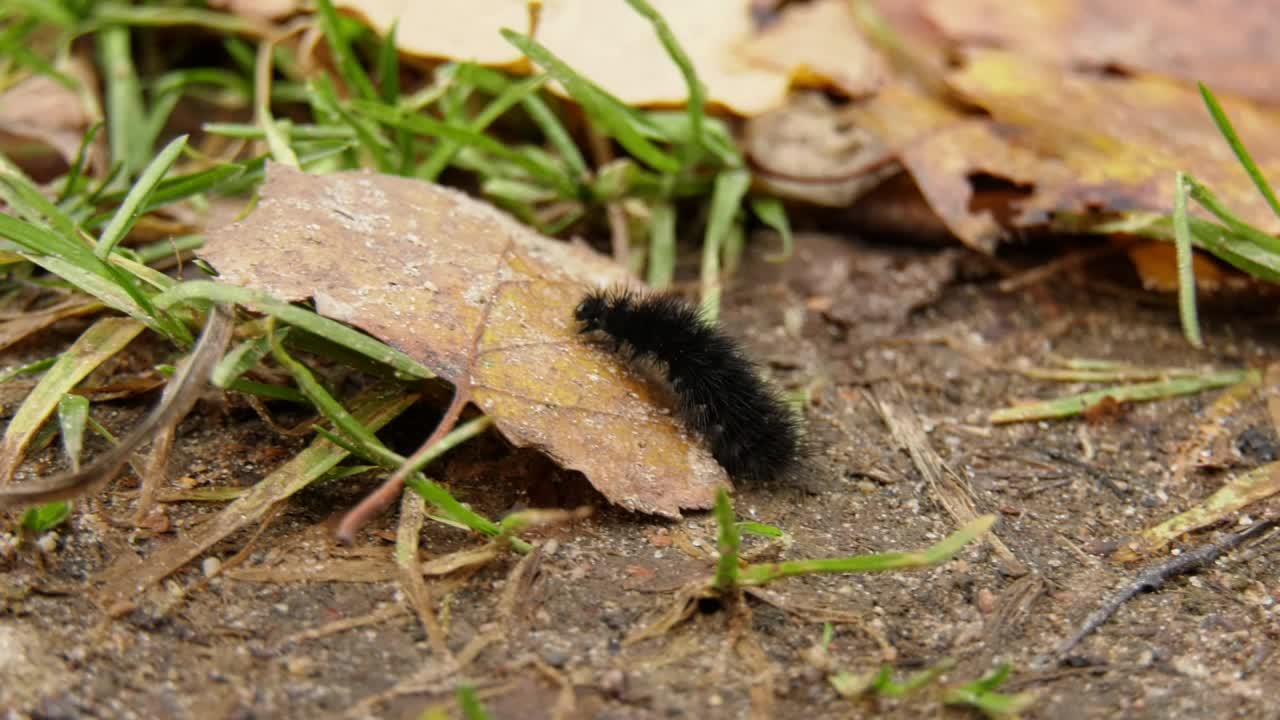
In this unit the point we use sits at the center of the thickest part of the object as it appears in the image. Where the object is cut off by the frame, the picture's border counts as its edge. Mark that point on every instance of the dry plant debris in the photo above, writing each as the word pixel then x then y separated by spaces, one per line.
pixel 482 301
pixel 1115 143
pixel 1196 40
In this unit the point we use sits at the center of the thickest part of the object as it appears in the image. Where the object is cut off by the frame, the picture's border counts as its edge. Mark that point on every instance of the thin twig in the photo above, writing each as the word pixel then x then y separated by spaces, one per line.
pixel 1155 578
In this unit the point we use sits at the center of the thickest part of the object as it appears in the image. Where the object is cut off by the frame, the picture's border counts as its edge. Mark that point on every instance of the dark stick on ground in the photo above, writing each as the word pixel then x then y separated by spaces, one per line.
pixel 1154 578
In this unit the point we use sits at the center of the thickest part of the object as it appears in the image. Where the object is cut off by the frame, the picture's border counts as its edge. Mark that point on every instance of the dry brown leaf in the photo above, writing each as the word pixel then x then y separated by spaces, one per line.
pixel 42 109
pixel 1115 143
pixel 942 148
pixel 811 150
pixel 1231 45
pixel 819 44
pixel 482 301
pixel 25 325
pixel 610 43
pixel 1157 266
pixel 1074 143
pixel 453 29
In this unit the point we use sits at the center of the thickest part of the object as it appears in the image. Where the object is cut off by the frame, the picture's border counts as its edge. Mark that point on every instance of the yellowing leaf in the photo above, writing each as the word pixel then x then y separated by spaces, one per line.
pixel 1257 484
pixel 1229 45
pixel 942 148
pixel 1115 143
pixel 482 301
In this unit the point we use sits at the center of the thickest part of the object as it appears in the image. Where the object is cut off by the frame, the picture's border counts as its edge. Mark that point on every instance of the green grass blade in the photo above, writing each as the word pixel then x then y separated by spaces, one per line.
pixel 717 138
pixel 166 15
pixel 293 315
pixel 467 137
pixel 389 66
pixel 1229 132
pixel 103 339
pixel 1186 268
pixel 981 694
pixel 936 554
pixel 751 527
pixel 729 544
pixel 662 246
pixel 126 120
pixel 733 246
pixel 26 200
pixel 73 411
pixel 170 248
pixel 110 293
pixel 43 518
pixel 128 211
pixel 277 135
pixel 75 175
pixel 241 359
pixel 1205 197
pixel 772 213
pixel 612 116
pixel 358 434
pixel 362 442
pixel 1076 404
pixel 695 106
pixel 557 135
pixel 507 99
pixel 28 369
pixel 470 705
pixel 731 186
pixel 266 391
pixel 297 133
pixel 378 147
pixel 349 66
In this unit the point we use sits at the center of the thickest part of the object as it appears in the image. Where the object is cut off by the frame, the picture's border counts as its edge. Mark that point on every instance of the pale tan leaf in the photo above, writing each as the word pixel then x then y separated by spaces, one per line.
pixel 484 302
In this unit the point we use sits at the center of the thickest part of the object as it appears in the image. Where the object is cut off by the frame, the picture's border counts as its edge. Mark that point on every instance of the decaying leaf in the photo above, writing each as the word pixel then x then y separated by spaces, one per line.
pixel 811 150
pixel 1157 267
pixel 483 302
pixel 1231 45
pixel 1116 143
pixel 943 148
pixel 1069 142
pixel 42 109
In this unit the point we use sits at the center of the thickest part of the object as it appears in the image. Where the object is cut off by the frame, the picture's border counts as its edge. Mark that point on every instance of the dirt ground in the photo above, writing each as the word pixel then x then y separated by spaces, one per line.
pixel 297 627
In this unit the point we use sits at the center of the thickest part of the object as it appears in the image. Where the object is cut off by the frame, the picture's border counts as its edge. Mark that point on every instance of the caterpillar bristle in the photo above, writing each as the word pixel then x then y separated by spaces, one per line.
pixel 749 428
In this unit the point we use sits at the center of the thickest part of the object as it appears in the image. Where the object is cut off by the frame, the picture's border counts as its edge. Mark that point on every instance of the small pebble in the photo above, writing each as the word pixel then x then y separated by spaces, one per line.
pixel 986 601
pixel 210 566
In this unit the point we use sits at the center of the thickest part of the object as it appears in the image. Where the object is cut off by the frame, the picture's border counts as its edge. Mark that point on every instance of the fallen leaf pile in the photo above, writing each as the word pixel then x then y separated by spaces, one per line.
pixel 1071 107
pixel 482 301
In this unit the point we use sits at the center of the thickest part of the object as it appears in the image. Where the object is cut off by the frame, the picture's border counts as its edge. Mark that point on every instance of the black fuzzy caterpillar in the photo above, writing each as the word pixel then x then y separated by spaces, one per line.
pixel 750 430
